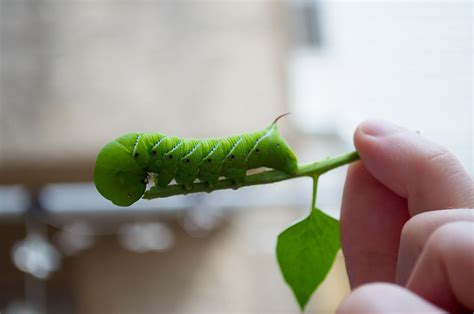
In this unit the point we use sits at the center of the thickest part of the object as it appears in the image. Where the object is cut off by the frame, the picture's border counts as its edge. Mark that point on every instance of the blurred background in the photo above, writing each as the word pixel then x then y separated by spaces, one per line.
pixel 75 74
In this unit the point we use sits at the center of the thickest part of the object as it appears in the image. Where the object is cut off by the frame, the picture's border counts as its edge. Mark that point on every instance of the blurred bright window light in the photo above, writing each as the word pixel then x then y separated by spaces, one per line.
pixel 13 201
pixel 83 197
pixel 409 62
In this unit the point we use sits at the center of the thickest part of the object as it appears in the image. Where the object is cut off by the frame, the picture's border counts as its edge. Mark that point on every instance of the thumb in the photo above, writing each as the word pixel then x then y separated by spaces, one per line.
pixel 426 174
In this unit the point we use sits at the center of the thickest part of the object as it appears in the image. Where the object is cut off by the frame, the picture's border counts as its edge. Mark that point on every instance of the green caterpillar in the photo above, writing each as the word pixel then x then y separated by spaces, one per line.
pixel 122 166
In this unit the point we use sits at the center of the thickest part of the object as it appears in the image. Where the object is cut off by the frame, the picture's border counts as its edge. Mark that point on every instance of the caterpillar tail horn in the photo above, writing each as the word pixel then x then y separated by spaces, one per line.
pixel 279 117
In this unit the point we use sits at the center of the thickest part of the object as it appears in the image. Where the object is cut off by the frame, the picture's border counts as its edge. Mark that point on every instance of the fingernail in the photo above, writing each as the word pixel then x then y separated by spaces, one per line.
pixel 379 128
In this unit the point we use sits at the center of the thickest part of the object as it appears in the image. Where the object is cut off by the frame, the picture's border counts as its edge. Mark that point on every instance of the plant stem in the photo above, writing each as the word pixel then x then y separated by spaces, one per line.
pixel 315 191
pixel 308 170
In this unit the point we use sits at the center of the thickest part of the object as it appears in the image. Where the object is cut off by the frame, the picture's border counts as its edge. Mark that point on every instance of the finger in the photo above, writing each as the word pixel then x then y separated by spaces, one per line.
pixel 372 218
pixel 416 232
pixel 385 298
pixel 426 174
pixel 444 274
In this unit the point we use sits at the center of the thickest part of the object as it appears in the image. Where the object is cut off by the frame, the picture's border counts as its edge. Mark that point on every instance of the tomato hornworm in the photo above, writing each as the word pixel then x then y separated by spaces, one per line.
pixel 123 165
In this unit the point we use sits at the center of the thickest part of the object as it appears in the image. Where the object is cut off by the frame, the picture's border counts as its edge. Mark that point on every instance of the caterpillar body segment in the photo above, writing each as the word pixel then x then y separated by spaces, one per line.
pixel 210 169
pixel 142 153
pixel 122 166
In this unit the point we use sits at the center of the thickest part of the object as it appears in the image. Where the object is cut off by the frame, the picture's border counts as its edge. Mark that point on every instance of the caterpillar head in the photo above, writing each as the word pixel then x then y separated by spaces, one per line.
pixel 117 175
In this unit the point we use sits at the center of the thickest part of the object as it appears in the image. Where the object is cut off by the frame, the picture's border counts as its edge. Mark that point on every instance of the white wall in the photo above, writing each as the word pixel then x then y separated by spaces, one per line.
pixel 408 62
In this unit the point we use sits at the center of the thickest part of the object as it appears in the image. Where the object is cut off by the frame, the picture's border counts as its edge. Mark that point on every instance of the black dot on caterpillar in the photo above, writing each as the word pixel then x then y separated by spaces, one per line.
pixel 232 156
pixel 129 194
pixel 257 150
pixel 170 156
pixel 278 145
pixel 136 155
pixel 153 152
pixel 188 160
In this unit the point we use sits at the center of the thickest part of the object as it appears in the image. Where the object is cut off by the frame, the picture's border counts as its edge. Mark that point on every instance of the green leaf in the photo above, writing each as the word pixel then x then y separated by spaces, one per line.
pixel 306 252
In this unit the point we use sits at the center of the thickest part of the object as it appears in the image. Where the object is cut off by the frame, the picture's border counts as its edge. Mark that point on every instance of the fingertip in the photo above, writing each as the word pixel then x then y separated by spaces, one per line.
pixel 355 171
pixel 413 167
pixel 371 144
pixel 443 272
pixel 371 221
pixel 379 128
pixel 385 298
pixel 417 231
pixel 371 140
pixel 356 175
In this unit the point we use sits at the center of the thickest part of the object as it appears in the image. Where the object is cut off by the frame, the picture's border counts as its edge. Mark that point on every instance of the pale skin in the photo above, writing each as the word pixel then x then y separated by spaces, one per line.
pixel 407 225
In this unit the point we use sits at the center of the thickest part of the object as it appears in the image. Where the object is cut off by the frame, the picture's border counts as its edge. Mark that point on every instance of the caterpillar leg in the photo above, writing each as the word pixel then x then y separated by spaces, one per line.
pixel 237 176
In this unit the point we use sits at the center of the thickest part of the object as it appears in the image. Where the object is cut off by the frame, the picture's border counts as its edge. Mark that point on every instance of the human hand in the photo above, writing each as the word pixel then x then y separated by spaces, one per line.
pixel 407 225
